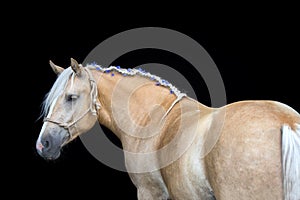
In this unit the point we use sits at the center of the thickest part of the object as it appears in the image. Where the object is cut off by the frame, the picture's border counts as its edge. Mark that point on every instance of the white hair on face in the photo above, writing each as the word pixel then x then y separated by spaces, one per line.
pixel 56 90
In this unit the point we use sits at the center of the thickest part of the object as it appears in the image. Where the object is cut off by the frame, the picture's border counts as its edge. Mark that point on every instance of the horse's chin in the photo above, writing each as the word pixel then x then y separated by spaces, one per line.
pixel 56 154
pixel 53 156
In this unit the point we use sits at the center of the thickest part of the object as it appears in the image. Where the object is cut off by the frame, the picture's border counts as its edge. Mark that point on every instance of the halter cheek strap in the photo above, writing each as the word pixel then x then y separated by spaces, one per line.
pixel 93 108
pixel 70 126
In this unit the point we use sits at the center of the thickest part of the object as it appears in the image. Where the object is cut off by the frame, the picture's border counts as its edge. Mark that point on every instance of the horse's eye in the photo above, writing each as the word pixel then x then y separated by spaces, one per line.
pixel 72 97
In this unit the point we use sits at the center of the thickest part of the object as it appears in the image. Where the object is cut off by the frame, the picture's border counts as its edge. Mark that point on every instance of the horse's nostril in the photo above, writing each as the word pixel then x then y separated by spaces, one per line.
pixel 46 144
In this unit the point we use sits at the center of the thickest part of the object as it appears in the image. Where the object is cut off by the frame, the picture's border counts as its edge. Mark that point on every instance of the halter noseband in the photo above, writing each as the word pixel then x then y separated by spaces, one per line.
pixel 93 108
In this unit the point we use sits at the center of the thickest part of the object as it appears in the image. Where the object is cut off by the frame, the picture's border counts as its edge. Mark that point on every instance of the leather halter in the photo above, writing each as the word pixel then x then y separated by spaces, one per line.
pixel 93 108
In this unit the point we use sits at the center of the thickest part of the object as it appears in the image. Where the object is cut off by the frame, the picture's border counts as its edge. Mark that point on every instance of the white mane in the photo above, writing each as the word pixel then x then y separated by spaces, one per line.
pixel 56 90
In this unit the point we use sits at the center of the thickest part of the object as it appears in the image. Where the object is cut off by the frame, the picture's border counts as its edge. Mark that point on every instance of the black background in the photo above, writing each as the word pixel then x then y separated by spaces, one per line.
pixel 257 56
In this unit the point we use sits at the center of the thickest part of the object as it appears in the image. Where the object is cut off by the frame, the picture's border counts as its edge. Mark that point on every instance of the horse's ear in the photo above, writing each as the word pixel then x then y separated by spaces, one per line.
pixel 76 67
pixel 57 69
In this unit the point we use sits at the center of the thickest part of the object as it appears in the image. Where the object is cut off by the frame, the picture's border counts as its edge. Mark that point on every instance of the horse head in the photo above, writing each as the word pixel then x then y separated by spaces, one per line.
pixel 69 109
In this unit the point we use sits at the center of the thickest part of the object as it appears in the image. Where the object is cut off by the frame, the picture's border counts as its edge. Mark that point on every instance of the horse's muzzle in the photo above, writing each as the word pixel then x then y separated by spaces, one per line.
pixel 49 147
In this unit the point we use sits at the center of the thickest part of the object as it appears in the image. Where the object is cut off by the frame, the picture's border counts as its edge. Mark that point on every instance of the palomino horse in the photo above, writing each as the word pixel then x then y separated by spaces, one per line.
pixel 178 148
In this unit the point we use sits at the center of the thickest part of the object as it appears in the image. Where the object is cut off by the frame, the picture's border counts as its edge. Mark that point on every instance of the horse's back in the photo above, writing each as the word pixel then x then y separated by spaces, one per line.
pixel 246 163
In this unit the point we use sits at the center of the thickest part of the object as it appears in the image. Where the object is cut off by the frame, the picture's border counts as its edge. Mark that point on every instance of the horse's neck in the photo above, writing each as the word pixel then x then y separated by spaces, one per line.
pixel 131 106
